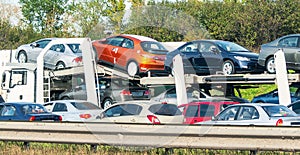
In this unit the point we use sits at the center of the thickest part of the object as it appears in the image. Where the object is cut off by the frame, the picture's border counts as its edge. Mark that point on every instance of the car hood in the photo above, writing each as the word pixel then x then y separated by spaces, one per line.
pixel 24 46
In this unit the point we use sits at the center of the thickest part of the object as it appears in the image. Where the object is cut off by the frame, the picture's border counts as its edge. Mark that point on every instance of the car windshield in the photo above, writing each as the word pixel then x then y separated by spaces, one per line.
pixel 84 105
pixel 231 47
pixel 33 109
pixel 153 47
pixel 75 48
pixel 278 111
pixel 165 109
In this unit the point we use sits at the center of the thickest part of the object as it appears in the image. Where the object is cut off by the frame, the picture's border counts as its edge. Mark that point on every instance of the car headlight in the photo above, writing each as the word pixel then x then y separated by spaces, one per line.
pixel 240 58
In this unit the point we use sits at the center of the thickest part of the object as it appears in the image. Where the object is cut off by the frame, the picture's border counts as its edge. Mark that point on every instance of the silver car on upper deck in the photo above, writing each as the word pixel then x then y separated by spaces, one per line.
pixel 290 44
pixel 61 55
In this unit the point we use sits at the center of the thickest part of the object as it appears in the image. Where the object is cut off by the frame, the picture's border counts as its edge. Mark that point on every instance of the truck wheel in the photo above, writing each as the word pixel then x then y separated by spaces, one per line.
pixel 60 65
pixel 132 68
pixel 22 57
pixel 107 103
pixel 270 66
pixel 228 67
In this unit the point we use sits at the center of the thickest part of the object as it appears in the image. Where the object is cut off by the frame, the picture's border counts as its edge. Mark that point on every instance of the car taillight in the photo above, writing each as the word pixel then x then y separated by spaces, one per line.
pixel 279 122
pixel 147 92
pixel 77 60
pixel 85 116
pixel 32 118
pixel 125 92
pixel 153 119
pixel 60 118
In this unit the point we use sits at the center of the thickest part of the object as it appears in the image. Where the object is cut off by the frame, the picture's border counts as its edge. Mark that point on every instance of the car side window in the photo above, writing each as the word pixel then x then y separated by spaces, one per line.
pixel 192 111
pixel 248 113
pixel 42 43
pixel 127 43
pixel 288 42
pixel 192 47
pixel 60 107
pixel 58 48
pixel 116 41
pixel 206 47
pixel 8 111
pixel 228 114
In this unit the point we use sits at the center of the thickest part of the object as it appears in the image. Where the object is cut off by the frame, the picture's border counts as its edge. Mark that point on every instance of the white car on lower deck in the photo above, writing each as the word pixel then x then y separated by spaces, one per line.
pixel 142 112
pixel 265 114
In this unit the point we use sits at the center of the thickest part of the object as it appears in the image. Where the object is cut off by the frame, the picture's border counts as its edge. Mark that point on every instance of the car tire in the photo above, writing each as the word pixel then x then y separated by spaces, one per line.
pixel 270 66
pixel 228 67
pixel 60 65
pixel 132 68
pixel 22 57
pixel 106 103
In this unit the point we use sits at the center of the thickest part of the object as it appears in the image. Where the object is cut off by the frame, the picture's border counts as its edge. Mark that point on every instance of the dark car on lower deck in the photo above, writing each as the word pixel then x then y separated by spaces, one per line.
pixel 26 111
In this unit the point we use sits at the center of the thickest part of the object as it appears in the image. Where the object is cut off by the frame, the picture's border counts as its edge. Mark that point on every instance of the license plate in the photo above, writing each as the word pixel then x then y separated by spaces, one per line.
pixel 137 93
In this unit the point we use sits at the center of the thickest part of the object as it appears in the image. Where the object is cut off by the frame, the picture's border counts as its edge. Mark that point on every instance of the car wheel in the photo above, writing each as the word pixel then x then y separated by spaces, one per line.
pixel 107 103
pixel 270 66
pixel 22 57
pixel 60 65
pixel 132 68
pixel 228 67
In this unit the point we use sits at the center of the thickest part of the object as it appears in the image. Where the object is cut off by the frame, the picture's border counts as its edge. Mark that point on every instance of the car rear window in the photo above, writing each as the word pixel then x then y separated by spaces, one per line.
pixel 165 109
pixel 84 105
pixel 153 47
pixel 278 111
pixel 75 48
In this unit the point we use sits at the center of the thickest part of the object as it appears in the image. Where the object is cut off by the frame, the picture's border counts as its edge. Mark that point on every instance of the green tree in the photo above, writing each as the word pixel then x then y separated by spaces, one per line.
pixel 45 16
pixel 114 12
pixel 85 18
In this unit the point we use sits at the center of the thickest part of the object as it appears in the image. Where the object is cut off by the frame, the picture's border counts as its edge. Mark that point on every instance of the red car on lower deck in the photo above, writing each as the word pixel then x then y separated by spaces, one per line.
pixel 202 111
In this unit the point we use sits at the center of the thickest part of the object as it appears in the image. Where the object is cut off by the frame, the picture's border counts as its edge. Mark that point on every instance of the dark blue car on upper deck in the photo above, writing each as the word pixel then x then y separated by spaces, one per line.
pixel 211 56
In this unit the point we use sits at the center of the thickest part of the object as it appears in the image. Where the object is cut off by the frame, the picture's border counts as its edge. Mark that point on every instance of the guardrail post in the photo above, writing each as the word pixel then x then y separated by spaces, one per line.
pixel 94 147
pixel 26 145
pixel 253 152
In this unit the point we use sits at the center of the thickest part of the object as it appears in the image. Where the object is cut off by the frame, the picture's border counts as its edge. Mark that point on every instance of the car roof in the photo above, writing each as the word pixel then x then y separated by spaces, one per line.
pixel 141 38
pixel 258 104
pixel 139 102
pixel 208 102
pixel 20 103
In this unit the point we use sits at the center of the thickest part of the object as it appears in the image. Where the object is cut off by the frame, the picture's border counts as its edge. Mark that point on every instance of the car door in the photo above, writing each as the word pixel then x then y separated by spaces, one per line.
pixel 211 56
pixel 113 50
pixel 53 55
pixel 191 56
pixel 125 52
pixel 290 46
pixel 36 50
pixel 62 110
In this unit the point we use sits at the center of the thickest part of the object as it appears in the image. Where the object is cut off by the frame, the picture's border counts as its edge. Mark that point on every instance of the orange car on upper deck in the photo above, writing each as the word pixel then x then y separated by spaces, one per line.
pixel 133 53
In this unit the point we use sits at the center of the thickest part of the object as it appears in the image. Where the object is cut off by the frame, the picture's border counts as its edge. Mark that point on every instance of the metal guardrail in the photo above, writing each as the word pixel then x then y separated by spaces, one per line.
pixel 164 136
pixel 211 79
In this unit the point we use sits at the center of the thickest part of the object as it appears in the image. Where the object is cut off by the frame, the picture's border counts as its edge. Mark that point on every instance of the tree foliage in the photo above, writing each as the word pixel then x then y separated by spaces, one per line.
pixel 247 22
pixel 45 16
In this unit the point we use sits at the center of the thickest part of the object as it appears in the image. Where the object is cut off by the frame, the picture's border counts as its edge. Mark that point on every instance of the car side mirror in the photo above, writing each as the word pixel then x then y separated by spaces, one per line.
pixel 213 118
pixel 34 45
pixel 57 49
